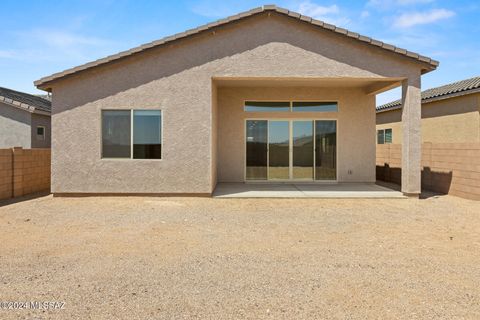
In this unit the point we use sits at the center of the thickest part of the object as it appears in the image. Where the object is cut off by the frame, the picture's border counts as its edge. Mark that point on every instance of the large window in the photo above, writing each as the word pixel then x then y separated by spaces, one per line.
pixel 314 106
pixel 116 133
pixel 267 106
pixel 290 106
pixel 137 139
pixel 384 136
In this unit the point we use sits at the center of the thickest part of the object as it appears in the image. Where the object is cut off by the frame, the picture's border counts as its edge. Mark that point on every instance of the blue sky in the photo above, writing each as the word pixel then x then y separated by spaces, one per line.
pixel 43 37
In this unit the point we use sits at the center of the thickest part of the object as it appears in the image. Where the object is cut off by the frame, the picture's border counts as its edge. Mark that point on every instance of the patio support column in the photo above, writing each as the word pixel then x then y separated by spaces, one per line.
pixel 412 144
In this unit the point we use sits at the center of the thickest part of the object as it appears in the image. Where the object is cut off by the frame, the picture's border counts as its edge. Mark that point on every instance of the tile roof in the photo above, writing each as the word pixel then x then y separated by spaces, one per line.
pixel 266 8
pixel 24 100
pixel 453 89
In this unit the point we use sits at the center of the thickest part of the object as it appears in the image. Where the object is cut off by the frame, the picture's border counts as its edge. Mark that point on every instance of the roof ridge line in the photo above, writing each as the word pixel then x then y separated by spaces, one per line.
pixel 269 7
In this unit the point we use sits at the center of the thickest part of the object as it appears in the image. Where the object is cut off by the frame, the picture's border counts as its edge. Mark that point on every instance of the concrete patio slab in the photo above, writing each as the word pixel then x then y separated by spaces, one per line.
pixel 305 190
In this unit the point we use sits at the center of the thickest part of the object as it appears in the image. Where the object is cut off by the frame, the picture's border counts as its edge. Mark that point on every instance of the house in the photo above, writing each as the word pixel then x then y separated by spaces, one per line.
pixel 24 120
pixel 232 101
pixel 450 114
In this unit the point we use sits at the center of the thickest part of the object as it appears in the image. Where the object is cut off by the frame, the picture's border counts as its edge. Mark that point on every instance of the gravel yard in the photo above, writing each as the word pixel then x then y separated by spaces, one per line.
pixel 203 258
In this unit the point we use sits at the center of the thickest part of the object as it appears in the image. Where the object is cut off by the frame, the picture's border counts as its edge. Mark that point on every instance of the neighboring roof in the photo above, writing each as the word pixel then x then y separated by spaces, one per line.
pixel 28 102
pixel 45 96
pixel 455 89
pixel 272 8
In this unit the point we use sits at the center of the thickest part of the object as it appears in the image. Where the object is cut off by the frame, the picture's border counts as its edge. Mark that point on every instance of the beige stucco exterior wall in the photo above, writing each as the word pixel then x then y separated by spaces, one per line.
pixel 214 136
pixel 451 120
pixel 44 121
pixel 355 127
pixel 14 127
pixel 177 79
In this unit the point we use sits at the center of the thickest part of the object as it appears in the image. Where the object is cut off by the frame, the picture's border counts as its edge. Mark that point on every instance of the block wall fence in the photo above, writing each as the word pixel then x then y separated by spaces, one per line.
pixel 24 171
pixel 449 168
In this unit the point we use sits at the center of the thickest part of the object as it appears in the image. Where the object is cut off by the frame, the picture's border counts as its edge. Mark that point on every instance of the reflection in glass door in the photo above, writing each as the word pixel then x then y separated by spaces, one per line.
pixel 302 140
pixel 325 150
pixel 257 151
pixel 278 150
pixel 300 150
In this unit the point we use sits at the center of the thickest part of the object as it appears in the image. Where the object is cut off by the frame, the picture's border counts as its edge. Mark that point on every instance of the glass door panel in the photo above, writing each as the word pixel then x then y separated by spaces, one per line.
pixel 325 150
pixel 302 139
pixel 256 158
pixel 278 150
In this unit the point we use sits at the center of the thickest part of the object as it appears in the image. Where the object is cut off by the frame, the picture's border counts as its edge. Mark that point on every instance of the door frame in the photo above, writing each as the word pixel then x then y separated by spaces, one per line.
pixel 290 129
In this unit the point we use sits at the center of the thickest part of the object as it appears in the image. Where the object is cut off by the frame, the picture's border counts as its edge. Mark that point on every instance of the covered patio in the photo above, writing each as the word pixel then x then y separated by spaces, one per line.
pixel 306 190
pixel 265 147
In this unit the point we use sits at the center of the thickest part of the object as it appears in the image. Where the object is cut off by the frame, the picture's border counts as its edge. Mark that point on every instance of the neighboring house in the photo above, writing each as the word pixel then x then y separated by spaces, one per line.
pixel 232 101
pixel 450 114
pixel 24 120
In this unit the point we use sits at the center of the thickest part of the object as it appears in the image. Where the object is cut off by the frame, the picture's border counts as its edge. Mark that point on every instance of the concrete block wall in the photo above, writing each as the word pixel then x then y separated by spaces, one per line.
pixel 24 171
pixel 389 163
pixel 6 173
pixel 450 168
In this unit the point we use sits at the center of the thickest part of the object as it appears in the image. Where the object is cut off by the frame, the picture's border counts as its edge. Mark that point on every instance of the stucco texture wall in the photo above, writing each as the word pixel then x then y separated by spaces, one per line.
pixel 44 121
pixel 451 120
pixel 177 78
pixel 355 127
pixel 14 127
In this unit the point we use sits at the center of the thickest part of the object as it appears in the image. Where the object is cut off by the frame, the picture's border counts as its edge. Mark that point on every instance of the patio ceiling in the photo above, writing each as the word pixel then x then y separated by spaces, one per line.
pixel 370 85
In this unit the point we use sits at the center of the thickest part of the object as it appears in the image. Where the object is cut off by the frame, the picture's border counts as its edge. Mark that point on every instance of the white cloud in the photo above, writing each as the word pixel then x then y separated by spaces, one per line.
pixel 56 45
pixel 330 14
pixel 365 14
pixel 315 10
pixel 390 3
pixel 421 41
pixel 216 9
pixel 409 2
pixel 407 20
pixel 64 39
pixel 7 54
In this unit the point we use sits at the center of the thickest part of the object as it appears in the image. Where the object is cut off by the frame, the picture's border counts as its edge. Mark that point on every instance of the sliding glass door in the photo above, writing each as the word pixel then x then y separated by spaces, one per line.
pixel 325 150
pixel 278 150
pixel 257 150
pixel 302 157
pixel 298 150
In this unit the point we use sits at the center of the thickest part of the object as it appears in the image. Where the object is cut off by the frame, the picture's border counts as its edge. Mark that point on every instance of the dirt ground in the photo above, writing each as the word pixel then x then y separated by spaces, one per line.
pixel 203 258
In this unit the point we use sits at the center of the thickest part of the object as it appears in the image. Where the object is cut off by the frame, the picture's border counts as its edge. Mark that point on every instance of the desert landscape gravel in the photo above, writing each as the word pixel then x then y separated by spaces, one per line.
pixel 203 258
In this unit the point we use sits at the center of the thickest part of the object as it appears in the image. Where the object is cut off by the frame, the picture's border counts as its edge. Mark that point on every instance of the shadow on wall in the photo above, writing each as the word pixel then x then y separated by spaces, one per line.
pixel 439 182
pixel 229 42
pixel 436 181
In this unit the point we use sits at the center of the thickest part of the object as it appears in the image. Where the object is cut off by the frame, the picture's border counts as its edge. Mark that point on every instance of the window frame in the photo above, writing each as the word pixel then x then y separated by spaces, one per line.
pixel 268 101
pixel 131 135
pixel 384 135
pixel 43 136
pixel 290 120
pixel 290 110
pixel 382 132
